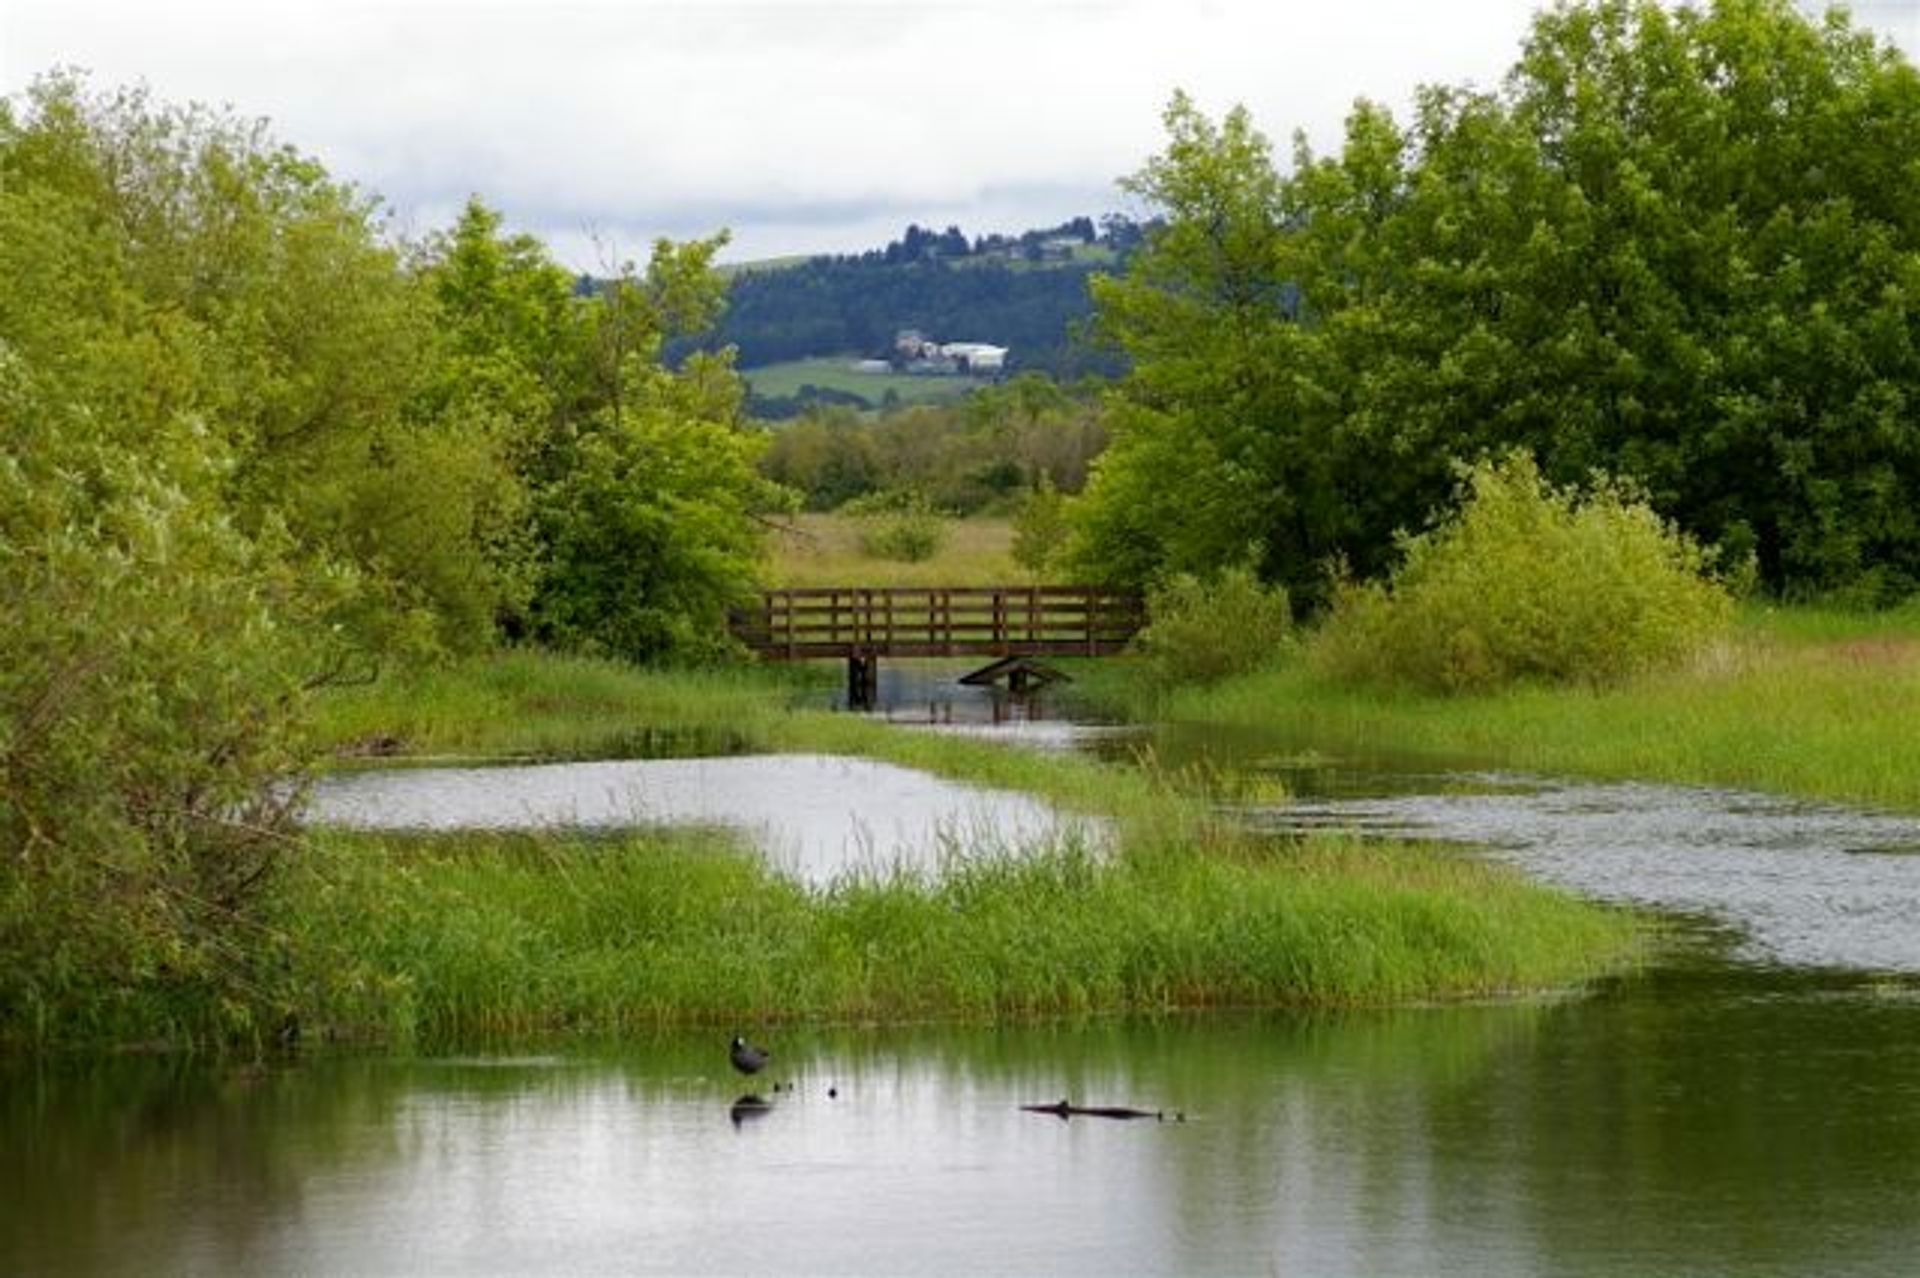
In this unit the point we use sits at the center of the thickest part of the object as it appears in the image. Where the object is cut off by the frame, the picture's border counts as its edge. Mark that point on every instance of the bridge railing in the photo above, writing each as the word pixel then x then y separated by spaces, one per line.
pixel 915 621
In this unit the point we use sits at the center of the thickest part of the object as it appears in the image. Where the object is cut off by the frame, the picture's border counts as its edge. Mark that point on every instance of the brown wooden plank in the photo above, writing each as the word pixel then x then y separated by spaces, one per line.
pixel 819 621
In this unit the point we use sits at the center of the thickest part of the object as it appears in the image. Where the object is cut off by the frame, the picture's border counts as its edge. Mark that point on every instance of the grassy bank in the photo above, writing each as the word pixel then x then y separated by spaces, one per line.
pixel 539 705
pixel 1801 701
pixel 457 936
pixel 463 937
pixel 529 703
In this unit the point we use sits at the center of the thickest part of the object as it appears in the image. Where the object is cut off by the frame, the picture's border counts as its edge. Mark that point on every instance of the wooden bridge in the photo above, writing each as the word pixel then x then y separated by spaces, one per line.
pixel 1015 624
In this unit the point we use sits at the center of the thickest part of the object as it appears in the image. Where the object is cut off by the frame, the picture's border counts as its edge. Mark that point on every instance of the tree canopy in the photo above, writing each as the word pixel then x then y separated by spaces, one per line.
pixel 250 444
pixel 1679 244
pixel 999 444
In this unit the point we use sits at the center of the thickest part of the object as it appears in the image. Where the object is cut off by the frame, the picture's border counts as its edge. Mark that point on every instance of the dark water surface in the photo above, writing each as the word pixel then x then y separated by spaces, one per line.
pixel 1679 1123
pixel 1750 1106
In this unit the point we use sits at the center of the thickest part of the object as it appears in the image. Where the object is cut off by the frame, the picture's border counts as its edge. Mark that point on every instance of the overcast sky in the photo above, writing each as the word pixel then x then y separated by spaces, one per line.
pixel 800 125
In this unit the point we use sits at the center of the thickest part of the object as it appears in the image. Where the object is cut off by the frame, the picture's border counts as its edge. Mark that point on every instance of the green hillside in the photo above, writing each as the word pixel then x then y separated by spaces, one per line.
pixel 787 380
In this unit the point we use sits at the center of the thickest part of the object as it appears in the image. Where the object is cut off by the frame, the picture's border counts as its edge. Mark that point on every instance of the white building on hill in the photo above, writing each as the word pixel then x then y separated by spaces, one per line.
pixel 920 354
pixel 975 357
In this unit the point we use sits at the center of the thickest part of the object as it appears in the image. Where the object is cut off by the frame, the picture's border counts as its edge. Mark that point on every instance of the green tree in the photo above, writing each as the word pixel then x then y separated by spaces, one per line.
pixel 294 335
pixel 649 524
pixel 1211 458
pixel 152 657
pixel 510 380
pixel 827 454
pixel 1040 529
pixel 1674 244
pixel 244 440
pixel 1048 433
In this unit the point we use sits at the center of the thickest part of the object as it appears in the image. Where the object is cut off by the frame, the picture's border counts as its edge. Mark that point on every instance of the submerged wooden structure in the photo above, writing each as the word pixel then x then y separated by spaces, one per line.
pixel 1015 625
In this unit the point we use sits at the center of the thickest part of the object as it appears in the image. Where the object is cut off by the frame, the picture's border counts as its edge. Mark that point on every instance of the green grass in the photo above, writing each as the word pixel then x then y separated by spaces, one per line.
pixel 402 938
pixel 1806 702
pixel 824 550
pixel 835 372
pixel 529 703
pixel 540 705
pixel 472 936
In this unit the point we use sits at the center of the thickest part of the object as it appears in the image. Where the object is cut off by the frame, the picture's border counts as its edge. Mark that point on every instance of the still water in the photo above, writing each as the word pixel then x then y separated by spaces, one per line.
pixel 813 816
pixel 1750 1106
pixel 1791 883
pixel 1683 1122
pixel 1802 884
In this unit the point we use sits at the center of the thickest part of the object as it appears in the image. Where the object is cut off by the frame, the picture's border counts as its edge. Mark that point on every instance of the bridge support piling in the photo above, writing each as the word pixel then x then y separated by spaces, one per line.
pixel 863 680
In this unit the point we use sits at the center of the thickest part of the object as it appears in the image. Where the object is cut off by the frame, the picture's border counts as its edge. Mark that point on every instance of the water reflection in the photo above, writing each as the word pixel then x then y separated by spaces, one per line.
pixel 930 692
pixel 1705 1117
pixel 815 816
pixel 927 695
pixel 748 1108
pixel 1695 1120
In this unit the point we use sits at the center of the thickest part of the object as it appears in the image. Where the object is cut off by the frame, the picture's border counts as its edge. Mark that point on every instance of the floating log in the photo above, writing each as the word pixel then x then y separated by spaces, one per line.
pixel 1065 1109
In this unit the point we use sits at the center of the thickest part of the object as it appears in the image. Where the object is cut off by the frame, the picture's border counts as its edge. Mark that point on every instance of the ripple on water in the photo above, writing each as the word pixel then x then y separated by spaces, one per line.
pixel 1790 875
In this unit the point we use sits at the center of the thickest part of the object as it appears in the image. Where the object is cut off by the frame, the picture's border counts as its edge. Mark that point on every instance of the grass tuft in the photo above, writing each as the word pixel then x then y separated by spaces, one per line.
pixel 484 935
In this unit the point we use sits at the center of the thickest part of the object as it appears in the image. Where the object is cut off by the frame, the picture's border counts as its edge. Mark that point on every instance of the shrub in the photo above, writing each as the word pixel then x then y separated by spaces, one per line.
pixel 901 526
pixel 147 718
pixel 1203 629
pixel 1040 528
pixel 1528 581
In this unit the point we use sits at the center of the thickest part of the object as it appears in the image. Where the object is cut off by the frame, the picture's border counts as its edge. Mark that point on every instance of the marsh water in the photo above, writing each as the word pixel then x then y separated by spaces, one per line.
pixel 812 816
pixel 1750 1105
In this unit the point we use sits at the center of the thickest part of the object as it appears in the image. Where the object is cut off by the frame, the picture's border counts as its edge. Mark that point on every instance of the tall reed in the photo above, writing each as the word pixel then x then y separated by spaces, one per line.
pixel 478 935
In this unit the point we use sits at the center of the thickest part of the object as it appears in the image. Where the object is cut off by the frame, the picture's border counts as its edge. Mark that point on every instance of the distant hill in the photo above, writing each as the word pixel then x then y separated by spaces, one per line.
pixel 1027 292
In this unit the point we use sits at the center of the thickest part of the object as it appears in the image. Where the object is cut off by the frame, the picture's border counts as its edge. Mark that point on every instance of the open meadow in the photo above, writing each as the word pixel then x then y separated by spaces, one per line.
pixel 836 372
pixel 824 550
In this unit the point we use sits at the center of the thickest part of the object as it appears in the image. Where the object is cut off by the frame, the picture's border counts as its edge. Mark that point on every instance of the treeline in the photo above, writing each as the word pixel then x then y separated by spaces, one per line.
pixel 999 290
pixel 988 452
pixel 249 445
pixel 1116 232
pixel 1679 245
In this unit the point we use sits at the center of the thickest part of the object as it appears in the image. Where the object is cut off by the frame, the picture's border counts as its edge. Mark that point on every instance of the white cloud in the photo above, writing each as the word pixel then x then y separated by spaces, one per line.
pixel 802 124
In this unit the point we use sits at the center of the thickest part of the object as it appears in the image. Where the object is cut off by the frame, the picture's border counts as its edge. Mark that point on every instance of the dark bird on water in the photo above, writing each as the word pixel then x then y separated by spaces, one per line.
pixel 746 1058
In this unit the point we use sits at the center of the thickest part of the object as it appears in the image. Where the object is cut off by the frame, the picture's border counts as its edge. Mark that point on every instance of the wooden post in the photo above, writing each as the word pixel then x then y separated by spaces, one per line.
pixel 863 680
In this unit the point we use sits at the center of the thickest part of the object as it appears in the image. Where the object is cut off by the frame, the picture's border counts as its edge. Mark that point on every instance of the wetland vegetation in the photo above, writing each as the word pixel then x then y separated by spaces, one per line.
pixel 280 489
pixel 1184 913
pixel 1794 701
pixel 455 938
